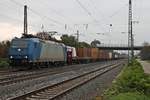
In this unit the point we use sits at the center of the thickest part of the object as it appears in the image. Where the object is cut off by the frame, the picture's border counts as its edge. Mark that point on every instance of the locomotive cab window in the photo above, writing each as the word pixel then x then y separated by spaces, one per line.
pixel 19 44
pixel 35 45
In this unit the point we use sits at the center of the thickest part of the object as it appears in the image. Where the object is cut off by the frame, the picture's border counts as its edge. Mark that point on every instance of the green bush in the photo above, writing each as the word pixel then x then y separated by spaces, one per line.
pixel 130 96
pixel 4 63
pixel 132 79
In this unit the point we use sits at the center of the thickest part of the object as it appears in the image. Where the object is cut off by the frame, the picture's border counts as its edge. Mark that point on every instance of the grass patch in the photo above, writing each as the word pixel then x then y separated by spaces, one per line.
pixel 130 96
pixel 4 63
pixel 132 83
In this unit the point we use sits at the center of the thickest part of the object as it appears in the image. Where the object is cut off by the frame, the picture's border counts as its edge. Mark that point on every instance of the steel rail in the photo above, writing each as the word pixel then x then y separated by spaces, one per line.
pixel 22 78
pixel 59 89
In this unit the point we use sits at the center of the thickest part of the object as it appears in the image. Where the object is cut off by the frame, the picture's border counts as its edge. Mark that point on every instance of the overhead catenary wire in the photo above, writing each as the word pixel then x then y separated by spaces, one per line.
pixel 15 19
pixel 6 16
pixel 95 21
pixel 58 13
pixel 12 17
pixel 60 23
pixel 38 14
pixel 86 10
pixel 96 9
pixel 54 21
pixel 57 22
pixel 114 14
pixel 35 12
pixel 101 13
pixel 111 15
pixel 104 20
pixel 88 13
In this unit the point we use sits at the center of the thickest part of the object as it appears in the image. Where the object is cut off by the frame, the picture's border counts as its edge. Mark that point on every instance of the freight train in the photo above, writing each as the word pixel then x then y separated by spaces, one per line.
pixel 33 52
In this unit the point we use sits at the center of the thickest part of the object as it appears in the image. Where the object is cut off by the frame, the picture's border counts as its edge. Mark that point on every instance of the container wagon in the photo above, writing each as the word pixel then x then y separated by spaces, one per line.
pixel 83 55
pixel 94 54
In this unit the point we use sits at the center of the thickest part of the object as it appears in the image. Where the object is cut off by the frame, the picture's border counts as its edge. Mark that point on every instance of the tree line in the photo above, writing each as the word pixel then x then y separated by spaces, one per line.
pixel 4 47
pixel 66 39
pixel 72 41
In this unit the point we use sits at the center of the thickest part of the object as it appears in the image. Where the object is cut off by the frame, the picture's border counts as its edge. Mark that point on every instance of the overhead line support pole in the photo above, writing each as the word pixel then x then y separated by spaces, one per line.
pixel 25 20
pixel 77 35
pixel 130 33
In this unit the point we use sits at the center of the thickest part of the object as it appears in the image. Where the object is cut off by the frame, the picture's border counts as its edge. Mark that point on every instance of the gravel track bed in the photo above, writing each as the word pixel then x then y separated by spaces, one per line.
pixel 93 88
pixel 26 86
pixel 30 72
pixel 47 72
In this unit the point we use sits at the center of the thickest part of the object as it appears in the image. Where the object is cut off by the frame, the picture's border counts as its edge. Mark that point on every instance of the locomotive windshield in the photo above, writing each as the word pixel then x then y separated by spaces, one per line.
pixel 19 44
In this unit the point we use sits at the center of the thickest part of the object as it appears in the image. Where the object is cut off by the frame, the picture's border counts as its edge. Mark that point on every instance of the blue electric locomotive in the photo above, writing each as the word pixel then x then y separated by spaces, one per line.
pixel 34 51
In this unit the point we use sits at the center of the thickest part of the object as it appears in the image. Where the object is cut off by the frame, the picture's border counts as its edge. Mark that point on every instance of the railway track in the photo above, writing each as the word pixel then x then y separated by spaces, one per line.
pixel 21 78
pixel 55 91
pixel 3 72
pixel 7 71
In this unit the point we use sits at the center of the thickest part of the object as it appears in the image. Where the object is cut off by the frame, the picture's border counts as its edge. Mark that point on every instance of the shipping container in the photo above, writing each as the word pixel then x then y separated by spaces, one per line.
pixel 83 52
pixel 94 53
pixel 79 52
pixel 89 52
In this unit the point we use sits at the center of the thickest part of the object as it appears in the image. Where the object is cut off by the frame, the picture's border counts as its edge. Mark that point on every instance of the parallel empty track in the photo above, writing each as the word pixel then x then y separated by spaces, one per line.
pixel 25 77
pixel 57 90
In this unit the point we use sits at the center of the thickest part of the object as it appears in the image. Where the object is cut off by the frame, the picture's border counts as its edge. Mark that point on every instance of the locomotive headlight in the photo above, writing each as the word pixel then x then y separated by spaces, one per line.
pixel 26 57
pixel 19 49
pixel 11 57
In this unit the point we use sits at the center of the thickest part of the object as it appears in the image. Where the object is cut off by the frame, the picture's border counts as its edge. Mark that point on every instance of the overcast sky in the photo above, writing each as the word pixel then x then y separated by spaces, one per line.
pixel 87 16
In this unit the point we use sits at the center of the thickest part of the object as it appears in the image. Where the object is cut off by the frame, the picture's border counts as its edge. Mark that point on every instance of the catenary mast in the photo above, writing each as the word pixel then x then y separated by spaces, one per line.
pixel 130 33
pixel 25 20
